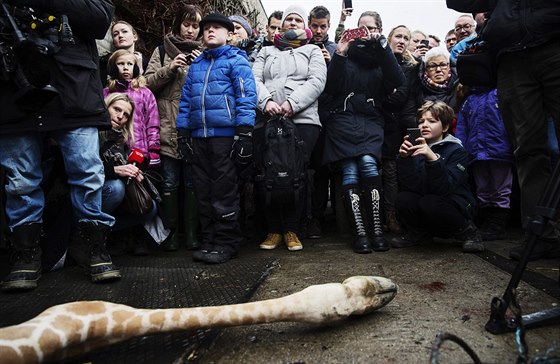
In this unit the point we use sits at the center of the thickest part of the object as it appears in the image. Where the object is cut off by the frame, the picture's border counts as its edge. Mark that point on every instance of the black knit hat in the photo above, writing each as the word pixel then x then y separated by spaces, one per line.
pixel 216 18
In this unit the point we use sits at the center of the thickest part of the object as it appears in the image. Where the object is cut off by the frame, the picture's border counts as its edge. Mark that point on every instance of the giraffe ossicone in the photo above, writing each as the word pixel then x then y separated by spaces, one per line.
pixel 67 330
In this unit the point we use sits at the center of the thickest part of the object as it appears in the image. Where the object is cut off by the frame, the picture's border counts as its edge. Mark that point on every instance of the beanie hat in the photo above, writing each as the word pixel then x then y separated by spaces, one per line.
pixel 294 9
pixel 216 18
pixel 243 22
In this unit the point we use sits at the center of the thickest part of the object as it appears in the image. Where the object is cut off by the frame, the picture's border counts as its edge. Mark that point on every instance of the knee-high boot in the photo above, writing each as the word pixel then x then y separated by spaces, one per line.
pixel 372 195
pixel 170 207
pixel 190 217
pixel 352 205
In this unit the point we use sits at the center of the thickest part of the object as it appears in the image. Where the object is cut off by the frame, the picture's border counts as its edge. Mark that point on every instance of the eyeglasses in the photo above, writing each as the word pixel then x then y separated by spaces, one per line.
pixel 466 27
pixel 433 66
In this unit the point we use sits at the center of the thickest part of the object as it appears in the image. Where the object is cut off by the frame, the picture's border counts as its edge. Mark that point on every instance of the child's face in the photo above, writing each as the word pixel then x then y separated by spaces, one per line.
pixel 119 112
pixel 431 128
pixel 125 64
pixel 215 35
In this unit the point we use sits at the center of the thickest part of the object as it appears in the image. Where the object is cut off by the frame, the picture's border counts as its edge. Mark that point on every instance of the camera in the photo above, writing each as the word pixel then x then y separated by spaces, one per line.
pixel 27 43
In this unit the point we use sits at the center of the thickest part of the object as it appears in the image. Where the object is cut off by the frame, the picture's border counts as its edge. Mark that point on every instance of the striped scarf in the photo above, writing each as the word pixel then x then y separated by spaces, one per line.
pixel 293 38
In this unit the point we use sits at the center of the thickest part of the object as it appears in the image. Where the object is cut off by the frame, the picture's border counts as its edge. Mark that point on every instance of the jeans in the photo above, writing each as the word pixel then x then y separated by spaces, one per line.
pixel 20 155
pixel 171 171
pixel 360 167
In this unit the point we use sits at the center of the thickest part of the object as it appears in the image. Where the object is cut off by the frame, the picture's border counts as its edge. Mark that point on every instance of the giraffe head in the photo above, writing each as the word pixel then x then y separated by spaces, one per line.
pixel 370 292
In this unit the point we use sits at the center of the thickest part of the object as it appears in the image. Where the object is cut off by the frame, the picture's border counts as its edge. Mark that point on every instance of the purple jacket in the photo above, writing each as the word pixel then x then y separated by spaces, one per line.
pixel 481 129
pixel 146 118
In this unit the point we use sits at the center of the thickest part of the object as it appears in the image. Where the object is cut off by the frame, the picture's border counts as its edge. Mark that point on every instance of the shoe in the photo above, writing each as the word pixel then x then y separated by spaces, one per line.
pixel 494 226
pixel 200 255
pixel 314 230
pixel 361 245
pixel 351 201
pixel 393 224
pixel 292 241
pixel 543 249
pixel 171 245
pixel 26 258
pixel 411 237
pixel 471 238
pixel 218 256
pixel 272 240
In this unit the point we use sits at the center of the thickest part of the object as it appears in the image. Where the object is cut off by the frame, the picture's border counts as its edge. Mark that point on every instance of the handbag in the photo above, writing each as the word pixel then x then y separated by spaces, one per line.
pixel 137 200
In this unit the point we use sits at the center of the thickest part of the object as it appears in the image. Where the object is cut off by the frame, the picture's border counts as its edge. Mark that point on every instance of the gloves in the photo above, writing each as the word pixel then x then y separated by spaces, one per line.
pixel 185 145
pixel 242 147
pixel 155 161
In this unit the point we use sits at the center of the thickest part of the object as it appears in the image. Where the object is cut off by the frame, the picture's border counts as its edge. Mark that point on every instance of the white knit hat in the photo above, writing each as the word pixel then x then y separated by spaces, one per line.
pixel 294 9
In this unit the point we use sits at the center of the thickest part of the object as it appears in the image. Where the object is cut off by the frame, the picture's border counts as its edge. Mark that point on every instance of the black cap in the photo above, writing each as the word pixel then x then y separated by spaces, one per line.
pixel 216 18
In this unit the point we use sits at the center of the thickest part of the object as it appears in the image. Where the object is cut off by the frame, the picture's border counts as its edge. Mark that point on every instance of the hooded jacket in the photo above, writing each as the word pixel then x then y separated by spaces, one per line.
pixel 219 94
pixel 72 71
pixel 446 176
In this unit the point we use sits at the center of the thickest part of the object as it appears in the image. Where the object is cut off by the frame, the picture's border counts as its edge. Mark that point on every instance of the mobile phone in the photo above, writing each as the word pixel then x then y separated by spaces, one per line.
pixel 347 4
pixel 413 134
pixel 319 44
pixel 425 42
pixel 356 33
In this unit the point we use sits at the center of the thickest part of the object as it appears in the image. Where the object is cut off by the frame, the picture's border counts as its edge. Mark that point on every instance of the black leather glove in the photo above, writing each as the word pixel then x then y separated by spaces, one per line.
pixel 185 144
pixel 242 147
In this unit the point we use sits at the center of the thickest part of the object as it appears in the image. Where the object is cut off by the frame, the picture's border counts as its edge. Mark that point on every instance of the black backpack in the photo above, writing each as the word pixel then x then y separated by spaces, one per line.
pixel 282 173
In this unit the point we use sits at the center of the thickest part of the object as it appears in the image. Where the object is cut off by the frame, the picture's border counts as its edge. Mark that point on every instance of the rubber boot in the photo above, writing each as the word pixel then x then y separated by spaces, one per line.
pixel 26 258
pixel 372 196
pixel 494 225
pixel 351 201
pixel 87 247
pixel 170 207
pixel 191 220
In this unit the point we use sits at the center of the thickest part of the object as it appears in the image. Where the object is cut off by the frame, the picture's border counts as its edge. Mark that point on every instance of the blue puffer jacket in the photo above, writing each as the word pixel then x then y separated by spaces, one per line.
pixel 481 129
pixel 219 94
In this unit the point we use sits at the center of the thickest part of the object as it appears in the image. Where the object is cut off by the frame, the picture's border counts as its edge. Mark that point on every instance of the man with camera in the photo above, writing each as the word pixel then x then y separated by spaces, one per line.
pixel 526 38
pixel 63 102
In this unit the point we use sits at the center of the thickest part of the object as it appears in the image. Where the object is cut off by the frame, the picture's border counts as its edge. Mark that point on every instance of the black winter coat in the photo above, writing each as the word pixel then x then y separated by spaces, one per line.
pixel 447 176
pixel 515 25
pixel 73 72
pixel 355 125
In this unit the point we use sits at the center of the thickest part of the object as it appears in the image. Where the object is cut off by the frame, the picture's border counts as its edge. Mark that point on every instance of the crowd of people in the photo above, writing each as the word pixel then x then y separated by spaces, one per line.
pixel 415 152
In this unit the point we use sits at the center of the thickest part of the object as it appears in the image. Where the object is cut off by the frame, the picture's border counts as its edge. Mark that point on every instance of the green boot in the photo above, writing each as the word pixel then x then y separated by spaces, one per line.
pixel 191 220
pixel 170 207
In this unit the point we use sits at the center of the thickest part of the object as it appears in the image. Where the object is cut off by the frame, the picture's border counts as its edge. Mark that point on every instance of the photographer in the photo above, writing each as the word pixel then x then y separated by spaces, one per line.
pixel 72 118
pixel 525 38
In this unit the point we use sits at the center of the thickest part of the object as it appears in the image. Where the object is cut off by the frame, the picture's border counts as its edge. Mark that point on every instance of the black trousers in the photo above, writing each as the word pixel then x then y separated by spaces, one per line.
pixel 438 215
pixel 216 186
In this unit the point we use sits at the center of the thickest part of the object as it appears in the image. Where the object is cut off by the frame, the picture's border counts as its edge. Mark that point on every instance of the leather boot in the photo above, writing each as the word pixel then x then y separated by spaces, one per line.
pixel 26 258
pixel 87 247
pixel 372 197
pixel 170 207
pixel 351 201
pixel 191 220
pixel 494 225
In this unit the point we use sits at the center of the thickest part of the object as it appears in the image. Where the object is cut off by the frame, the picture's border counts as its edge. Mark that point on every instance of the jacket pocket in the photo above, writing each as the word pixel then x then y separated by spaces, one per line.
pixel 78 83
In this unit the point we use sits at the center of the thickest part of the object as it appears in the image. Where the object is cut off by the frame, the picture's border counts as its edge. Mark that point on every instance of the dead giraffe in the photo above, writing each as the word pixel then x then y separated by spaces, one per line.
pixel 70 329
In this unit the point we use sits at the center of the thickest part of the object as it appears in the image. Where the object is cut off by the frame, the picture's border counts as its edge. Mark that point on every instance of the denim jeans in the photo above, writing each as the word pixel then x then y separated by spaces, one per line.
pixel 20 155
pixel 359 167
pixel 171 171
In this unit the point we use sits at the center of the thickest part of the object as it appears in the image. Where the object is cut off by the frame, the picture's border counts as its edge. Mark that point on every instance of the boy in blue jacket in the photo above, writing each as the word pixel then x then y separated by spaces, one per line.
pixel 214 126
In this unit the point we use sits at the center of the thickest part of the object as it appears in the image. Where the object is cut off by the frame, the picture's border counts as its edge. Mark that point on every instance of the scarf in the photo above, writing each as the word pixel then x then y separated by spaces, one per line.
pixel 437 87
pixel 175 45
pixel 363 52
pixel 293 38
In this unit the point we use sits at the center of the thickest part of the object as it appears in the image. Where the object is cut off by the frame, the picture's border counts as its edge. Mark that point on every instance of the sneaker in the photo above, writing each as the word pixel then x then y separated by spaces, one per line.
pixel 410 238
pixel 471 238
pixel 292 241
pixel 218 256
pixel 543 249
pixel 314 230
pixel 272 240
pixel 200 255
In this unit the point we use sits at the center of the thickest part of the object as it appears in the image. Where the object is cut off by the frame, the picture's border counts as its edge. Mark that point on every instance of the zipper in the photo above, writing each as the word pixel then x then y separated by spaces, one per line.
pixel 346 99
pixel 227 106
pixel 372 102
pixel 242 86
pixel 203 94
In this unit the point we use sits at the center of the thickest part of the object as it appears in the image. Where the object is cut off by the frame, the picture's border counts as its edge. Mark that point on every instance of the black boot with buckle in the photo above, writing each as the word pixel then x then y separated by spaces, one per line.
pixel 25 258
